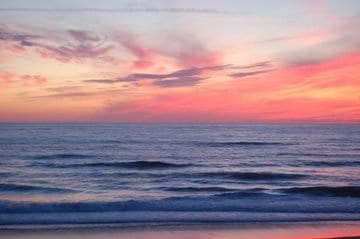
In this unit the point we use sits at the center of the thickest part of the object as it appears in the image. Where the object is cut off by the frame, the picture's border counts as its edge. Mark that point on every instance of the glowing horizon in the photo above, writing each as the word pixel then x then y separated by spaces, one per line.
pixel 215 61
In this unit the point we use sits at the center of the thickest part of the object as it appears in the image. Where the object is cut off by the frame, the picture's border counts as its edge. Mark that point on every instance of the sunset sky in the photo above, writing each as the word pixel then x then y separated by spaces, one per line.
pixel 211 61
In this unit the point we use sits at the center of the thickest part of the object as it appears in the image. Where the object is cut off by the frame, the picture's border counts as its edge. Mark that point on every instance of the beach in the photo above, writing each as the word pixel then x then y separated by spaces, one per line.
pixel 325 230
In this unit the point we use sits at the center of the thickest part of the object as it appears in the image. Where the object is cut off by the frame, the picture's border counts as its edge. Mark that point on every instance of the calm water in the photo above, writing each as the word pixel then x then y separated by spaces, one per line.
pixel 75 174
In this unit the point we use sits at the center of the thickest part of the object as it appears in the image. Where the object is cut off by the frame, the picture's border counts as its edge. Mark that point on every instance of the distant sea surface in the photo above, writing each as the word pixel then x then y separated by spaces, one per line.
pixel 101 174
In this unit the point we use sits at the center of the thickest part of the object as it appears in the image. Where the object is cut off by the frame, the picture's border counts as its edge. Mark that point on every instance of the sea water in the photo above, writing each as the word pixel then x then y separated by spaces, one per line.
pixel 100 174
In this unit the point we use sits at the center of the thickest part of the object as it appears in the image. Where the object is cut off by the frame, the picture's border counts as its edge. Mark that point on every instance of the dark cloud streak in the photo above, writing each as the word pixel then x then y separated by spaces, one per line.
pixel 184 77
pixel 246 74
pixel 262 64
pixel 84 36
pixel 179 82
pixel 84 44
pixel 23 38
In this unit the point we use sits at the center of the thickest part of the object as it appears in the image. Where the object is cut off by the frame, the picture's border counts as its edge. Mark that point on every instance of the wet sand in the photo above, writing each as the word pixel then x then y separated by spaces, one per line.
pixel 348 230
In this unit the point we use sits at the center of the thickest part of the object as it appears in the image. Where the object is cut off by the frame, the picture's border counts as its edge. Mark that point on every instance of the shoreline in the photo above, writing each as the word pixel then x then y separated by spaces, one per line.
pixel 281 230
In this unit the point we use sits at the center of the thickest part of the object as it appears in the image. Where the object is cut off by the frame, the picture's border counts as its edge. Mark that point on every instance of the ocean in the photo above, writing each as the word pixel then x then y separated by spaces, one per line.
pixel 74 175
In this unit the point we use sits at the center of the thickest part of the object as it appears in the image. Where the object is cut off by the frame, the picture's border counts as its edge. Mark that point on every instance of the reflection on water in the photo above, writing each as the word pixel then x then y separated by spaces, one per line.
pixel 244 231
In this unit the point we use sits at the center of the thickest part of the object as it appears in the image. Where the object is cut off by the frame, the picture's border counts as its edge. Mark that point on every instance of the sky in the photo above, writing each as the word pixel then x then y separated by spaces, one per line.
pixel 180 61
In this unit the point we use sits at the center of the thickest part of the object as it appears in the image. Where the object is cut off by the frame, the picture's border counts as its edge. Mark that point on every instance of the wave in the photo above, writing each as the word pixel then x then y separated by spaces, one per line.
pixel 316 154
pixel 253 175
pixel 242 194
pixel 11 187
pixel 346 191
pixel 197 189
pixel 146 219
pixel 62 156
pixel 199 143
pixel 6 174
pixel 131 165
pixel 240 201
pixel 140 164
pixel 240 143
pixel 125 141
pixel 332 163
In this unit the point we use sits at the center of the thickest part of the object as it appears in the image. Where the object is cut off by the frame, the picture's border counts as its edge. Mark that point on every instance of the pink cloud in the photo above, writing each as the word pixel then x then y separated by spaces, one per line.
pixel 11 79
pixel 83 46
pixel 83 36
pixel 72 45
pixel 73 51
pixel 199 58
pixel 6 78
pixel 29 80
pixel 144 55
pixel 192 52
pixel 308 69
pixel 181 51
pixel 319 92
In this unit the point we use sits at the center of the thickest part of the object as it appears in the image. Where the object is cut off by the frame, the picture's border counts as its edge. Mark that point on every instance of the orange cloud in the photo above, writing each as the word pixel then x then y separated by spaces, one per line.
pixel 6 78
pixel 9 79
pixel 181 80
pixel 322 92
pixel 199 57
pixel 33 80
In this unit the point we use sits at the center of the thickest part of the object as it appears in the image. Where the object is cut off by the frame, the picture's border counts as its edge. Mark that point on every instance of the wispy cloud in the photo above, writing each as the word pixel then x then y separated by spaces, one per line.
pixel 62 89
pixel 144 55
pixel 341 39
pixel 188 76
pixel 179 82
pixel 6 77
pixel 261 64
pixel 84 36
pixel 69 52
pixel 68 95
pixel 34 79
pixel 81 45
pixel 76 92
pixel 75 45
pixel 190 51
pixel 21 38
pixel 120 10
pixel 246 74
pixel 11 79
pixel 184 77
